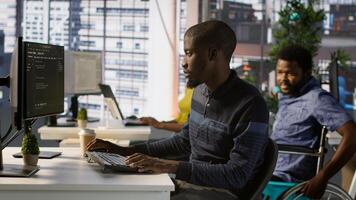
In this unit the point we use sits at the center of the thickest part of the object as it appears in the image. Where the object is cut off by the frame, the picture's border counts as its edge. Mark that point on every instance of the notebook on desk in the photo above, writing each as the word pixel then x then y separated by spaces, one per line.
pixel 114 108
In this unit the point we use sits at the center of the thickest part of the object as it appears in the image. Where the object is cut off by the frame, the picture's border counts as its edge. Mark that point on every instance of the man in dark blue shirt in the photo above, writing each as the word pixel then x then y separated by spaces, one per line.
pixel 227 131
pixel 303 108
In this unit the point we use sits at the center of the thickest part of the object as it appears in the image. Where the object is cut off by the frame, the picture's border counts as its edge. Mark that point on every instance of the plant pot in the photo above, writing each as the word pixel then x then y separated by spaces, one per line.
pixel 82 123
pixel 30 159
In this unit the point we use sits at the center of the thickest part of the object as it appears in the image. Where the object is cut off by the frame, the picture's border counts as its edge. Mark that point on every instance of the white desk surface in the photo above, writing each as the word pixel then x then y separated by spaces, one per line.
pixel 70 177
pixel 119 133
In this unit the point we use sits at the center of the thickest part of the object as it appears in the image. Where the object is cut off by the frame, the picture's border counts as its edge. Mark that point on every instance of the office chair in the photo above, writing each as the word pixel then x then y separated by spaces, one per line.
pixel 253 189
pixel 332 191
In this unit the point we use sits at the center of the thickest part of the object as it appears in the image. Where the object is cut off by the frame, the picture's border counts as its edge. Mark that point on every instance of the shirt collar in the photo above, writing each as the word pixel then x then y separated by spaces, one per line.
pixel 309 85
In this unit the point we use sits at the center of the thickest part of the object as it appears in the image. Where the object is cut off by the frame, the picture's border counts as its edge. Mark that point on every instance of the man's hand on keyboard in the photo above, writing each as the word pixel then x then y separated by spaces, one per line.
pixel 106 146
pixel 146 163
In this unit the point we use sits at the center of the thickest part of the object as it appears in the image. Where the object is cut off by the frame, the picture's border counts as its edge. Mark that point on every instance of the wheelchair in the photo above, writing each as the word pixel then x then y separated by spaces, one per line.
pixel 292 191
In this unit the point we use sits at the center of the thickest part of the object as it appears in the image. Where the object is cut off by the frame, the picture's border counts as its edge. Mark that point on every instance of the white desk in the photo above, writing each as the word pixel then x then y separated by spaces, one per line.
pixel 119 133
pixel 72 178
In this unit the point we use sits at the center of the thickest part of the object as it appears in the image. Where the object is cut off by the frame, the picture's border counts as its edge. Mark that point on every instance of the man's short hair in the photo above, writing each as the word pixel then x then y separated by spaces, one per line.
pixel 214 33
pixel 298 54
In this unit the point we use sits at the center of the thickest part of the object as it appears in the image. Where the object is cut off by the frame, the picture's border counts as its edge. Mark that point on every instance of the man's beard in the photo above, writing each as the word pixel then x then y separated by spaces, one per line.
pixel 192 83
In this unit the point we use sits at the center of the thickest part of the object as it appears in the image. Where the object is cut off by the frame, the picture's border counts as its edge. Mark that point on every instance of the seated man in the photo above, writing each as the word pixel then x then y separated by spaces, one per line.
pixel 227 131
pixel 303 109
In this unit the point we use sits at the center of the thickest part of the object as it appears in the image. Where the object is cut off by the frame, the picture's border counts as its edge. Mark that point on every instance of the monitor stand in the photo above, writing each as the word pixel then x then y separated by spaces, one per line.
pixel 52 122
pixel 12 170
pixel 74 107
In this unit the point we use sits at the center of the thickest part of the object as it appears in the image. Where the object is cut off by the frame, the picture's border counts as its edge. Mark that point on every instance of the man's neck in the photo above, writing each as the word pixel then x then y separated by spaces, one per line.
pixel 218 79
pixel 301 85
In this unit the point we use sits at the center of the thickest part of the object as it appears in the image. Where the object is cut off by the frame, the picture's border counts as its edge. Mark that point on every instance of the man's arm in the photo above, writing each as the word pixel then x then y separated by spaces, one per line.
pixel 171 125
pixel 238 170
pixel 250 137
pixel 176 145
pixel 233 175
pixel 328 112
pixel 346 149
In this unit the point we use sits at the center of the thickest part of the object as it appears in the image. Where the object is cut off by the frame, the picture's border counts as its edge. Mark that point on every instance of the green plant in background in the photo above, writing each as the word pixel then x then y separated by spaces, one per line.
pixel 251 79
pixel 341 57
pixel 82 114
pixel 298 24
pixel 29 144
pixel 272 103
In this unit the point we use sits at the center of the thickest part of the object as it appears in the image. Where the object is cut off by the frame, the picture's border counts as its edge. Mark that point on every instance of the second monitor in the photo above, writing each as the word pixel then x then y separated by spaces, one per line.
pixel 83 73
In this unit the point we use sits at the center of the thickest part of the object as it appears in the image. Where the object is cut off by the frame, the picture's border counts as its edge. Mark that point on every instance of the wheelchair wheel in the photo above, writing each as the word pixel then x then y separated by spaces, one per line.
pixel 332 192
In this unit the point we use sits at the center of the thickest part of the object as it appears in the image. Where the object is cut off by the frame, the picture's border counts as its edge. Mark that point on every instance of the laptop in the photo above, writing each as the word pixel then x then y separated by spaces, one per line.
pixel 114 108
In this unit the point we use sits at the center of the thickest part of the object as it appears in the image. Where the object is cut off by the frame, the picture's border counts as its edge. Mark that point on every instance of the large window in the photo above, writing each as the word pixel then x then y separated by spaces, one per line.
pixel 7 25
pixel 118 28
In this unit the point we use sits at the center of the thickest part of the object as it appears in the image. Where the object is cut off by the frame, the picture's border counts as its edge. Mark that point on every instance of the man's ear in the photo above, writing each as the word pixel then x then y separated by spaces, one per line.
pixel 212 54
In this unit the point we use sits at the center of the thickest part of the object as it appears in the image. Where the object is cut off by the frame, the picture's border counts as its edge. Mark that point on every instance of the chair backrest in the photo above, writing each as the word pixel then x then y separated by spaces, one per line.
pixel 254 188
pixel 319 152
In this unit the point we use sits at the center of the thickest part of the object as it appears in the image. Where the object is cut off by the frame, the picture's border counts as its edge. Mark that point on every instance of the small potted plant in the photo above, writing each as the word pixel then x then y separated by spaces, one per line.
pixel 82 118
pixel 30 149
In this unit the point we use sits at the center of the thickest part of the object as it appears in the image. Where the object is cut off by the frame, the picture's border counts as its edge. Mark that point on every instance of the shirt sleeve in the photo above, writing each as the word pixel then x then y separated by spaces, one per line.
pixel 329 113
pixel 250 140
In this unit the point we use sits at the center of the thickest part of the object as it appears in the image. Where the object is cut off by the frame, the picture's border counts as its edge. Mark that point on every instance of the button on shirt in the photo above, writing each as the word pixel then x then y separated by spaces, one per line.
pixel 298 122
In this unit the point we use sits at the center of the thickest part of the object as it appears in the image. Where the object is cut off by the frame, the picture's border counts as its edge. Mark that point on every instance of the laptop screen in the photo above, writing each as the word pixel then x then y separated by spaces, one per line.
pixel 111 102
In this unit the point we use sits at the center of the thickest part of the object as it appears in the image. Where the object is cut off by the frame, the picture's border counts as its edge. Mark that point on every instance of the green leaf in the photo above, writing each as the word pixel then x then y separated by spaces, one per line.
pixel 82 114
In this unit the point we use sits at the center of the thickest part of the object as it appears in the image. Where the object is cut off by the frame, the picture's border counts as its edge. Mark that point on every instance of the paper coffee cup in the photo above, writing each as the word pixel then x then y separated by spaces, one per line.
pixel 85 137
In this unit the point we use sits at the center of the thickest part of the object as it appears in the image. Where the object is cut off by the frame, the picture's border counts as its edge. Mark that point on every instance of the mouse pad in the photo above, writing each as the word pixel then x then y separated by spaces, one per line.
pixel 43 154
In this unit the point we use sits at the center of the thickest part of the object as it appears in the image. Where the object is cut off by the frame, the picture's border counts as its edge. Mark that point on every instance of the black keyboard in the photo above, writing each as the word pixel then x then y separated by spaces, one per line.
pixel 110 161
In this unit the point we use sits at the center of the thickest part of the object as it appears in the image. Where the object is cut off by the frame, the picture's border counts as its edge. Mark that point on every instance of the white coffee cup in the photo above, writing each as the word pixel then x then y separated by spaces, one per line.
pixel 85 136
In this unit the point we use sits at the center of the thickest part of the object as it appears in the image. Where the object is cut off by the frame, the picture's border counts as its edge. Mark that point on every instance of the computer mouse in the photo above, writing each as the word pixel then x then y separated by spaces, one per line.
pixel 131 117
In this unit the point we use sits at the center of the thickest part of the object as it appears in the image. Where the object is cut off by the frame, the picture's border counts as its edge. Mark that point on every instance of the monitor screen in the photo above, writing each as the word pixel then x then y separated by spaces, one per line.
pixel 43 75
pixel 83 72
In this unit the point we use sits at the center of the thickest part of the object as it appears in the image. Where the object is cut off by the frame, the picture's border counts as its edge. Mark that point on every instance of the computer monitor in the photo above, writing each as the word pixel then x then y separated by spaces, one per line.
pixel 83 73
pixel 36 90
